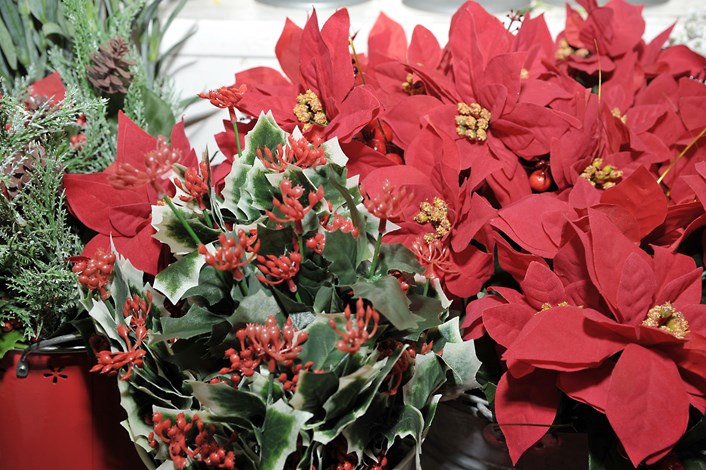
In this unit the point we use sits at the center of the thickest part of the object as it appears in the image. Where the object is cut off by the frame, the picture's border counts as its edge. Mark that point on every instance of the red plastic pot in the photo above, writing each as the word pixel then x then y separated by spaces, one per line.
pixel 61 416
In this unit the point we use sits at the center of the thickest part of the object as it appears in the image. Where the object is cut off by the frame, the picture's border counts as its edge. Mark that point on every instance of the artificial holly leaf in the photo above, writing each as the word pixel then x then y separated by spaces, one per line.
pixel 341 251
pixel 225 402
pixel 279 434
pixel 320 348
pixel 313 389
pixel 387 298
pixel 428 376
pixel 197 321
pixel 180 276
pixel 171 230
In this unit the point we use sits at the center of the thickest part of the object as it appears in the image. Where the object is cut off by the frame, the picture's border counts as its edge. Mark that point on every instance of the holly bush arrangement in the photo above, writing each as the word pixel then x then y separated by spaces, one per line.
pixel 285 334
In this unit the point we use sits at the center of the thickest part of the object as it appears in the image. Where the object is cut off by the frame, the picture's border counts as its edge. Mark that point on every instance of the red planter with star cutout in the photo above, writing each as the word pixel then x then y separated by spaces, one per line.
pixel 60 416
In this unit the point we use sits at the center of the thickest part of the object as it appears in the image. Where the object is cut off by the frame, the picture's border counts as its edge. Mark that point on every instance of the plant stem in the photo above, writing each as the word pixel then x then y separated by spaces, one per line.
pixel 376 255
pixel 270 387
pixel 243 287
pixel 181 219
pixel 426 287
pixel 209 222
pixel 298 297
pixel 237 138
pixel 681 154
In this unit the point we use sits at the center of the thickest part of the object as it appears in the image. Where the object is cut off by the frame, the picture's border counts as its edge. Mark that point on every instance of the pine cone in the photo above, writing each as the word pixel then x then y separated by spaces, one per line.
pixel 18 169
pixel 111 71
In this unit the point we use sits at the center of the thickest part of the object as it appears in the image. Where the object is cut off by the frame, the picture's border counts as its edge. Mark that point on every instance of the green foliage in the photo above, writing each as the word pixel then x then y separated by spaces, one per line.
pixel 271 364
pixel 35 280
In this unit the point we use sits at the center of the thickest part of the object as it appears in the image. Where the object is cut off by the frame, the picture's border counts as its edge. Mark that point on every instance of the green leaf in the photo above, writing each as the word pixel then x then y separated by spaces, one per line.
pixel 355 393
pixel 212 286
pixel 223 401
pixel 341 251
pixel 135 426
pixel 429 310
pixel 327 300
pixel 52 28
pixel 265 133
pixel 320 348
pixel 313 390
pixel 428 376
pixel 9 341
pixel 172 232
pixel 387 297
pixel 197 321
pixel 179 277
pixel 158 114
pixel 451 331
pixel 463 362
pixel 279 434
pixel 398 257
pixel 409 424
pixel 7 47
pixel 255 308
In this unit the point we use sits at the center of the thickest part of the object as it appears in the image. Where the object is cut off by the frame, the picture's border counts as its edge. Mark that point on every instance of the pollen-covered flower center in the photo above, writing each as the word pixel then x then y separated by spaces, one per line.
pixel 412 87
pixel 472 121
pixel 309 110
pixel 435 213
pixel 667 318
pixel 601 176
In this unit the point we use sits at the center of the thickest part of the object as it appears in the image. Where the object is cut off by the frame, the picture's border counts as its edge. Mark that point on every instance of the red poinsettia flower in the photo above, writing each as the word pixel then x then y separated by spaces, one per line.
pixel 481 107
pixel 318 92
pixel 640 355
pixel 123 213
pixel 590 45
pixel 50 88
pixel 442 216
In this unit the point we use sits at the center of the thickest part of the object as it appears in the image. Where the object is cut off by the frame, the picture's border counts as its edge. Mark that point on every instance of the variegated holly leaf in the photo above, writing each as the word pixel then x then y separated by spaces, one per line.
pixel 279 434
pixel 226 403
pixel 387 298
pixel 180 276
pixel 171 230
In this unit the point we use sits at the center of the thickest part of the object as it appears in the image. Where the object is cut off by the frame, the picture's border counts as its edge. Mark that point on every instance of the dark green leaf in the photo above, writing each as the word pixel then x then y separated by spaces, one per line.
pixel 409 424
pixel 320 348
pixel 255 308
pixel 212 286
pixel 398 257
pixel 197 321
pixel 158 114
pixel 387 298
pixel 313 390
pixel 430 313
pixel 279 434
pixel 7 47
pixel 222 400
pixel 341 251
pixel 428 376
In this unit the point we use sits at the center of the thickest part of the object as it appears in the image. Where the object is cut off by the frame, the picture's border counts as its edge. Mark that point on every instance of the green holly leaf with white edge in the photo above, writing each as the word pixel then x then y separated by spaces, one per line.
pixel 225 402
pixel 355 393
pixel 459 355
pixel 135 426
pixel 171 231
pixel 429 375
pixel 180 276
pixel 409 424
pixel 387 298
pixel 279 434
pixel 197 321
pixel 246 190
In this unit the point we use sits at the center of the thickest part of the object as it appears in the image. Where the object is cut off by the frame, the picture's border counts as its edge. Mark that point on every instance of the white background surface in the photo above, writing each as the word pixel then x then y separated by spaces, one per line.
pixel 233 35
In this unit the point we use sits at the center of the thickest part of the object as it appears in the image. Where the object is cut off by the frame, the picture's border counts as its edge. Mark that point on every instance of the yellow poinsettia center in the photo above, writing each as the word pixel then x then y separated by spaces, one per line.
pixel 435 213
pixel 472 121
pixel 524 74
pixel 617 114
pixel 667 318
pixel 547 306
pixel 601 176
pixel 412 87
pixel 564 50
pixel 309 110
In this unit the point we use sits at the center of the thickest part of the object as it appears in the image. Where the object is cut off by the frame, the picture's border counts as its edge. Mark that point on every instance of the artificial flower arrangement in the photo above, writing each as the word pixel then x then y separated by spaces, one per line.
pixel 554 190
pixel 66 68
pixel 284 334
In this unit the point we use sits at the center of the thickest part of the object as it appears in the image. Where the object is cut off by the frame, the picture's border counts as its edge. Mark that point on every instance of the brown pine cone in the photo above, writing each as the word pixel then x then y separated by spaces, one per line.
pixel 18 169
pixel 110 71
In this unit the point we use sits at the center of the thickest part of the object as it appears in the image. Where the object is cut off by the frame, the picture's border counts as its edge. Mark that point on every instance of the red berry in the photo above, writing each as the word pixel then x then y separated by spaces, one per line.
pixel 394 158
pixel 540 180
pixel 378 145
pixel 383 131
